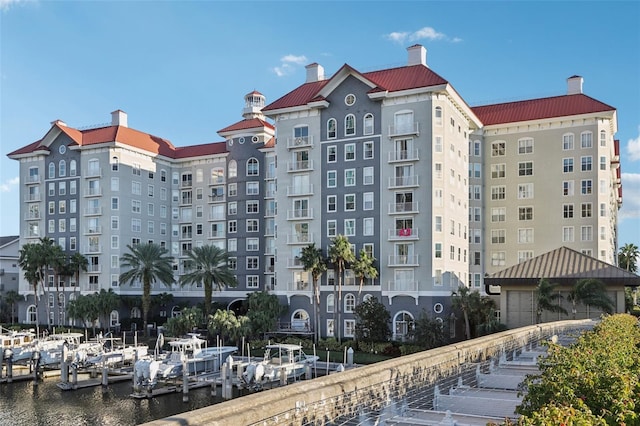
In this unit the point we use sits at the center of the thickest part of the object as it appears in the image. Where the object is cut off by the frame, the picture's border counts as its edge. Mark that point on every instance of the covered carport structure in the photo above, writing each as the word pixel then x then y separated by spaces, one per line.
pixel 516 285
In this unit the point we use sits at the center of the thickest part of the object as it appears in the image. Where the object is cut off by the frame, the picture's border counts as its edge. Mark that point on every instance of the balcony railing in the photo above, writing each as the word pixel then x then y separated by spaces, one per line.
pixel 186 183
pixel 216 180
pixel 294 263
pixel 217 216
pixel 401 286
pixel 216 198
pixel 403 155
pixel 403 181
pixel 403 260
pixel 270 193
pixel 93 211
pixel 94 268
pixel 299 166
pixel 270 231
pixel 300 142
pixel 31 197
pixel 300 190
pixel 271 212
pixel 216 234
pixel 403 234
pixel 93 287
pixel 32 179
pixel 32 216
pixel 93 249
pixel 300 238
pixel 300 214
pixel 299 286
pixel 93 172
pixel 405 129
pixel 395 208
pixel 93 230
pixel 270 250
pixel 93 192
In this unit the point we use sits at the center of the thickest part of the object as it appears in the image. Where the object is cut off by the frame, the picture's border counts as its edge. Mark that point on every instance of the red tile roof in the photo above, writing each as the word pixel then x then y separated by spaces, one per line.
pixel 536 109
pixel 392 80
pixel 251 123
pixel 131 137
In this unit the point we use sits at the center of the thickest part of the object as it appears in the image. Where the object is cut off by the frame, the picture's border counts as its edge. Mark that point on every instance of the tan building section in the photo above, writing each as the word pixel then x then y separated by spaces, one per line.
pixel 564 267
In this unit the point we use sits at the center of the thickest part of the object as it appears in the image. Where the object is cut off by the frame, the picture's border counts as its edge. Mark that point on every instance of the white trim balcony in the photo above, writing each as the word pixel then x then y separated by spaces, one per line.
pixel 31 198
pixel 93 172
pixel 93 211
pixel 270 212
pixel 300 166
pixel 93 249
pixel 216 181
pixel 403 260
pixel 214 217
pixel 299 214
pixel 300 238
pixel 299 286
pixel 217 198
pixel 403 234
pixel 398 208
pixel 300 142
pixel 31 179
pixel 93 230
pixel 401 286
pixel 297 190
pixel 294 263
pixel 404 130
pixel 32 216
pixel 403 181
pixel 403 155
pixel 217 234
pixel 93 192
pixel 96 269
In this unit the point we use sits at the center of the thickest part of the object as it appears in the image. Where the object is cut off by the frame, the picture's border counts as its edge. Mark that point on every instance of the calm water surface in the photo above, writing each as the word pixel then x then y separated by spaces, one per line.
pixel 22 403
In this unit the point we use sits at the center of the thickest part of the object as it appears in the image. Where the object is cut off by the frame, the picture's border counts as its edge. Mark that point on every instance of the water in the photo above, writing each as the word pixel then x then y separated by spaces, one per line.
pixel 22 403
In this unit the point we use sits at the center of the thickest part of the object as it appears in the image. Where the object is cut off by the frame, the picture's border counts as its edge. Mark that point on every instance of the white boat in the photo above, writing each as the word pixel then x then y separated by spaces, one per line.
pixel 114 352
pixel 194 353
pixel 279 359
pixel 52 348
pixel 13 342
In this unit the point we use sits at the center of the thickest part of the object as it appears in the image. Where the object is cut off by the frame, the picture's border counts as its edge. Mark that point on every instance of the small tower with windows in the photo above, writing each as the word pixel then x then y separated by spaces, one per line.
pixel 253 104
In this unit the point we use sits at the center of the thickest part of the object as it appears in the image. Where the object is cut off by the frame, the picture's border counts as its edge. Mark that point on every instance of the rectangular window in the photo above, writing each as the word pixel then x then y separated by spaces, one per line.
pixel 603 163
pixel 150 227
pixel 72 187
pixel 367 226
pixel 498 171
pixel 525 213
pixel 253 207
pixel 150 190
pixel 350 152
pixel 586 140
pixel 586 163
pixel 525 168
pixel 253 188
pixel 253 263
pixel 524 255
pixel 586 187
pixel 233 189
pixel 498 214
pixel 586 233
pixel 253 244
pixel 367 201
pixel 253 281
pixel 367 153
pixel 350 227
pixel 136 206
pixel 367 175
pixel 603 210
pixel 437 223
pixel 567 142
pixel 135 188
pixel 136 225
pixel 525 146
pixel 567 188
pixel 498 192
pixel 525 191
pixel 567 211
pixel 232 208
pixel 525 235
pixel 586 210
pixel 350 177
pixel 567 165
pixel 349 202
pixel 332 180
pixel 331 228
pixel 252 225
pixel 498 236
pixel 332 203
pixel 52 189
pixel 332 154
pixel 62 188
pixel 498 149
pixel 437 143
pixel 438 250
pixel 498 258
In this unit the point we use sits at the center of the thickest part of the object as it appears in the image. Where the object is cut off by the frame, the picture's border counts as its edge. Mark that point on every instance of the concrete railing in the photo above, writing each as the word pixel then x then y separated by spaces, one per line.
pixel 321 400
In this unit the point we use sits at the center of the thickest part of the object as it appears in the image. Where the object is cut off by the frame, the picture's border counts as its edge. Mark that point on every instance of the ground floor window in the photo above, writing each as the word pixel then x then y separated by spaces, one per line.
pixel 349 328
pixel 330 328
pixel 32 316
pixel 403 323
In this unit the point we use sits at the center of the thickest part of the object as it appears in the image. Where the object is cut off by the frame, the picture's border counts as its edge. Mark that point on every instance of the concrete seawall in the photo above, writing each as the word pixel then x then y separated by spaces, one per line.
pixel 324 399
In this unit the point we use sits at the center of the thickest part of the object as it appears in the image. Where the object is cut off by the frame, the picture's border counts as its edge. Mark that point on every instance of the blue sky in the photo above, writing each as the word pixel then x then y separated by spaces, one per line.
pixel 180 69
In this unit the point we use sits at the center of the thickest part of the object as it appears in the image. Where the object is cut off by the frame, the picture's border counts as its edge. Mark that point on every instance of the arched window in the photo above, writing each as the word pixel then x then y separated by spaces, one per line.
pixel 135 312
pixel 350 125
pixel 367 125
pixel 73 169
pixel 367 297
pixel 233 169
pixel 403 323
pixel 330 303
pixel 332 128
pixel 32 315
pixel 253 167
pixel 603 138
pixel 438 116
pixel 62 168
pixel 114 318
pixel 52 170
pixel 176 312
pixel 349 303
pixel 115 163
pixel 300 320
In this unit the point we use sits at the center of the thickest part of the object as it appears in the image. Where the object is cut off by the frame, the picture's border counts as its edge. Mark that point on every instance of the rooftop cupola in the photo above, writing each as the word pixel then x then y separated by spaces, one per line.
pixel 253 104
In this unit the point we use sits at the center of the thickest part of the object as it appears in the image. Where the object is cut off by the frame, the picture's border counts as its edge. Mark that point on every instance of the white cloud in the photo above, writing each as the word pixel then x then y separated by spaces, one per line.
pixel 288 64
pixel 633 148
pixel 426 33
pixel 630 196
pixel 7 4
pixel 9 184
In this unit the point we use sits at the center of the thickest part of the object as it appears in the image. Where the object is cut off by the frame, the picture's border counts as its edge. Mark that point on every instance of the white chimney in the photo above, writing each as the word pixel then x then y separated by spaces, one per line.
pixel 119 118
pixel 315 72
pixel 574 85
pixel 417 55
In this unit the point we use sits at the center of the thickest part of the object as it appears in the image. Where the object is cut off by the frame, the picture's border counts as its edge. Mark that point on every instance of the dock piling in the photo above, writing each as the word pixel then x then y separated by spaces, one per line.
pixel 185 380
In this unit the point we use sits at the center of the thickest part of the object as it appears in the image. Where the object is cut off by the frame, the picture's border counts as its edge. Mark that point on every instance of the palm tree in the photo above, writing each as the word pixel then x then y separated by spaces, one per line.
pixel 546 298
pixel 340 254
pixel 78 263
pixel 58 262
pixel 11 297
pixel 628 256
pixel 146 263
pixel 363 267
pixel 211 266
pixel 461 300
pixel 591 292
pixel 46 256
pixel 106 301
pixel 314 263
pixel 29 261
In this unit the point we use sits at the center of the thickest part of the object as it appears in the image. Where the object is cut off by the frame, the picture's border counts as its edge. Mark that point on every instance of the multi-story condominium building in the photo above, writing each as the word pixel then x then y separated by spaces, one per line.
pixel 440 193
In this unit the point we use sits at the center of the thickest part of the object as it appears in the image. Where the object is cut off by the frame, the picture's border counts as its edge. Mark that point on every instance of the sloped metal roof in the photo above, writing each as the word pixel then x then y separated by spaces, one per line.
pixel 564 266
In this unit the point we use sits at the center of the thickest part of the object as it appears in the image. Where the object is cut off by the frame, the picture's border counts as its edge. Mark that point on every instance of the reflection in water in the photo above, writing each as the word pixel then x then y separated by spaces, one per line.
pixel 23 403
